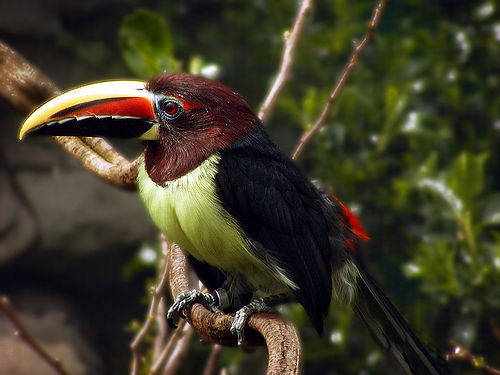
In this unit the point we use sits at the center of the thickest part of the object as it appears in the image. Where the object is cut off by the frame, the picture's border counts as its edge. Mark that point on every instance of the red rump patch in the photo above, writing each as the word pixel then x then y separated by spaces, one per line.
pixel 354 223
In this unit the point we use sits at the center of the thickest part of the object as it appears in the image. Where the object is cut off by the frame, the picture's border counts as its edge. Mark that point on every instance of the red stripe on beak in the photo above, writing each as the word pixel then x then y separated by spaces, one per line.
pixel 127 107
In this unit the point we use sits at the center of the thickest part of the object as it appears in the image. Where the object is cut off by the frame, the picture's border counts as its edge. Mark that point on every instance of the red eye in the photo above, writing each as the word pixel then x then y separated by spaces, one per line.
pixel 171 108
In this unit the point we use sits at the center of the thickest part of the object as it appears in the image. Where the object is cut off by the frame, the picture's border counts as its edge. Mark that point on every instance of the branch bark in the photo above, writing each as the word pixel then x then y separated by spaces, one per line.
pixel 212 365
pixel 25 87
pixel 27 337
pixel 180 351
pixel 287 58
pixel 176 340
pixel 460 354
pixel 156 295
pixel 280 335
pixel 306 138
pixel 122 175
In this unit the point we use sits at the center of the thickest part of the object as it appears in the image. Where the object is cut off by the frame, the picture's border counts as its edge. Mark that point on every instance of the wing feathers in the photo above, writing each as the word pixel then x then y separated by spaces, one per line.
pixel 283 213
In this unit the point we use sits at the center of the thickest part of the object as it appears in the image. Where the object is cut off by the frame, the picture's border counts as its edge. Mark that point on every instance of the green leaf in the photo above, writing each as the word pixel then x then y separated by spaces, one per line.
pixel 311 104
pixel 195 65
pixel 199 67
pixel 496 259
pixel 146 44
pixel 395 102
pixel 491 210
pixel 434 263
pixel 443 191
pixel 466 177
pixel 391 100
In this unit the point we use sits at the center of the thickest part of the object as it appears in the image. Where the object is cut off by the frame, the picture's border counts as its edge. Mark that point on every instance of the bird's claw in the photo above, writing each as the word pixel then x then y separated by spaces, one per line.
pixel 242 315
pixel 175 312
pixel 239 322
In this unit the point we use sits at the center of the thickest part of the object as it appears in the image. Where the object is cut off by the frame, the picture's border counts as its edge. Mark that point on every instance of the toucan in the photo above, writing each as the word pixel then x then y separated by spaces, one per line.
pixel 247 218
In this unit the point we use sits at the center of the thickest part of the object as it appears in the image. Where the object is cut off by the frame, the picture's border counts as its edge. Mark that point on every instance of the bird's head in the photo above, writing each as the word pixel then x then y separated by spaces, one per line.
pixel 183 118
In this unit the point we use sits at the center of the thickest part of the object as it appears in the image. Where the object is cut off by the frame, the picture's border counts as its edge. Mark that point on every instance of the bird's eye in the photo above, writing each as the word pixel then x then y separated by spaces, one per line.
pixel 172 108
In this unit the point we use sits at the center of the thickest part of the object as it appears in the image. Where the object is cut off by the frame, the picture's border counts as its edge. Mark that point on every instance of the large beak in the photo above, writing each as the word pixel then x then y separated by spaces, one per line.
pixel 123 109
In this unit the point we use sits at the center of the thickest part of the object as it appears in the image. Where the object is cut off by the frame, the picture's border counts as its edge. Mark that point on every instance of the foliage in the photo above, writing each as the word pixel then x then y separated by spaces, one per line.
pixel 146 44
pixel 412 145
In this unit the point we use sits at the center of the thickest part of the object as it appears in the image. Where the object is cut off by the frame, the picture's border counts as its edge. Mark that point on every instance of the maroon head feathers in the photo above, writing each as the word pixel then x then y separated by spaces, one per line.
pixel 212 117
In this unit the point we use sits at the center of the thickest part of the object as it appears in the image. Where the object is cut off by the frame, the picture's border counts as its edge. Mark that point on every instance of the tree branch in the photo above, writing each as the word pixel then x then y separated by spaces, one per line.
pixel 25 335
pixel 460 354
pixel 119 175
pixel 156 294
pixel 25 87
pixel 180 350
pixel 212 365
pixel 162 329
pixel 287 58
pixel 174 341
pixel 280 335
pixel 346 73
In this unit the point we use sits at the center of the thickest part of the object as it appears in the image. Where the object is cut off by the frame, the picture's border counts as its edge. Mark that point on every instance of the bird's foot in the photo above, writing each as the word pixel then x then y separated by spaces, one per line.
pixel 257 305
pixel 188 298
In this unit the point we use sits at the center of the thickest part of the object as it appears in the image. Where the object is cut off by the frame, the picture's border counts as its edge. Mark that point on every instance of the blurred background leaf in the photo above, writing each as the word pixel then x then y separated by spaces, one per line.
pixel 146 44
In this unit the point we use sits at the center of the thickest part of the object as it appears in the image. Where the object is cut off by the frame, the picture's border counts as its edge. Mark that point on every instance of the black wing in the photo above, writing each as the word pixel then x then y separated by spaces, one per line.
pixel 280 209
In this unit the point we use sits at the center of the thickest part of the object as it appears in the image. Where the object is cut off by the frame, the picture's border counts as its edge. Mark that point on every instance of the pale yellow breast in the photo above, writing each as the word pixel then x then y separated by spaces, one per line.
pixel 188 212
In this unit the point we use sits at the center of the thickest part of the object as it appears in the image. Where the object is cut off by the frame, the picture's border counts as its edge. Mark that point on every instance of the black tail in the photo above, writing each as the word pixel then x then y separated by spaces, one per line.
pixel 391 331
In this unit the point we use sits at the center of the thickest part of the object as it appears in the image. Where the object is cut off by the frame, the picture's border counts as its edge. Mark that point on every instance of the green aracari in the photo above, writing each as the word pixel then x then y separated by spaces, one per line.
pixel 245 215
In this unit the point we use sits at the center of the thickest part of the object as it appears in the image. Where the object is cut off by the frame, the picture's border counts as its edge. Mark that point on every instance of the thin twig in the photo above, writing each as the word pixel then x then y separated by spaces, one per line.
pixel 162 329
pixel 291 41
pixel 156 294
pixel 24 334
pixel 212 365
pixel 172 342
pixel 460 354
pixel 179 352
pixel 346 73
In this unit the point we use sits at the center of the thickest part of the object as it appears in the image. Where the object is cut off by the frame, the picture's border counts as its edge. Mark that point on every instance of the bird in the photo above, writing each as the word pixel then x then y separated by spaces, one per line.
pixel 245 215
